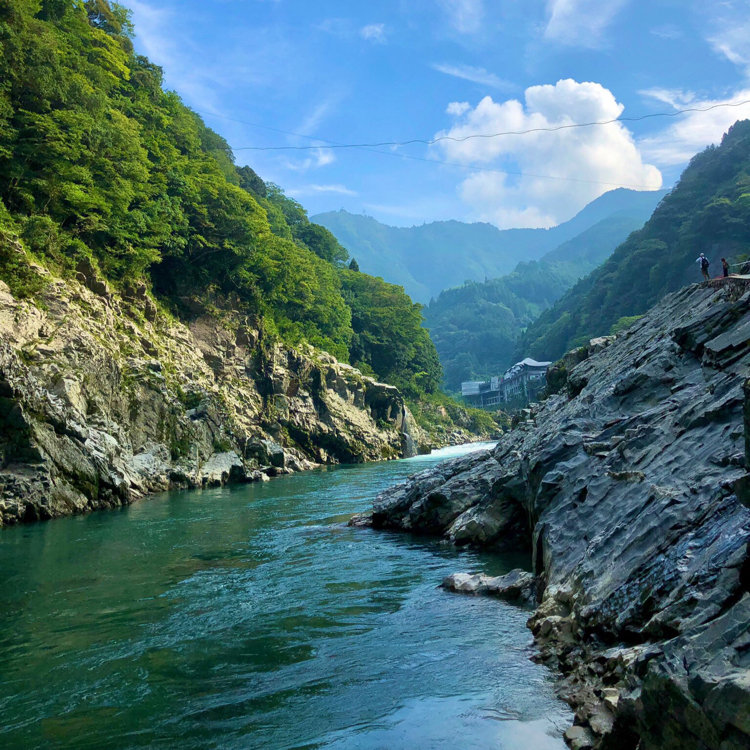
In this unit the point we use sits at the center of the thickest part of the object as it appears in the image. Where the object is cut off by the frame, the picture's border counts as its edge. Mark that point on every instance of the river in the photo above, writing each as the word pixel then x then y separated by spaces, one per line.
pixel 253 617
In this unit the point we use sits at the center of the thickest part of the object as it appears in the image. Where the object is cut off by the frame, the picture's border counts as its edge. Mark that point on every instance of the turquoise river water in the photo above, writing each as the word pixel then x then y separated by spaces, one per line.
pixel 253 617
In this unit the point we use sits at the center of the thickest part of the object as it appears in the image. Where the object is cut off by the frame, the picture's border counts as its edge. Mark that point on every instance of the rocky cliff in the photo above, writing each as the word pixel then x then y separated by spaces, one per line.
pixel 105 397
pixel 628 488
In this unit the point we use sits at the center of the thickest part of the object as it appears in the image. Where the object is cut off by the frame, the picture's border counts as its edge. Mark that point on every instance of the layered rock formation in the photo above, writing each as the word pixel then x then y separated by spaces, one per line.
pixel 104 398
pixel 628 487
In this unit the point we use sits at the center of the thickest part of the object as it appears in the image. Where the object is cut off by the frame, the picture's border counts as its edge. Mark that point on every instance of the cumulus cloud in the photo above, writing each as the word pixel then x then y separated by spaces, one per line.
pixel 543 178
pixel 678 143
pixel 457 108
pixel 473 74
pixel 465 16
pixel 373 32
pixel 580 23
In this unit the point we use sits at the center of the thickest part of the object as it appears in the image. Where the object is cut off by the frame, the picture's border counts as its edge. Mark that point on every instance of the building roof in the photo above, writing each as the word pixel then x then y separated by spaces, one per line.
pixel 533 363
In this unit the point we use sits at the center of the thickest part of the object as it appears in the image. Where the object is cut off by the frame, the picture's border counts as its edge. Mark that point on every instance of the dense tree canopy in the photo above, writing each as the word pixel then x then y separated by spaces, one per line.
pixel 388 336
pixel 98 163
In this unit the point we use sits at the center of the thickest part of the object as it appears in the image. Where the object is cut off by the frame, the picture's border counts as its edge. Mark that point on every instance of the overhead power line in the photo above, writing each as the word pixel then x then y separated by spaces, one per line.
pixel 472 136
pixel 372 147
pixel 410 157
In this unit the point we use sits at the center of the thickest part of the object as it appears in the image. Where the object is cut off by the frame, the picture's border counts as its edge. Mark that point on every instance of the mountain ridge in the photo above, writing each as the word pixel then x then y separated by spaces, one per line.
pixel 421 258
pixel 476 326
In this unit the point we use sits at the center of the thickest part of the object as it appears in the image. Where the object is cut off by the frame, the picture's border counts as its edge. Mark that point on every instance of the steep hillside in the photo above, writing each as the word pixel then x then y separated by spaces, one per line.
pixel 427 259
pixel 166 317
pixel 102 169
pixel 629 491
pixel 105 398
pixel 708 210
pixel 476 327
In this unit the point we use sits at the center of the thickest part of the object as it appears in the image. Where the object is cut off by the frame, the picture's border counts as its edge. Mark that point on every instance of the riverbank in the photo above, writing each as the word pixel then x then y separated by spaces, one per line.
pixel 628 487
pixel 106 398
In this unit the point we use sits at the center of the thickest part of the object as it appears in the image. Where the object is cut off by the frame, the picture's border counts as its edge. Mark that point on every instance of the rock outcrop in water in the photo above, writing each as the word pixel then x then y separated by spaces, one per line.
pixel 629 488
pixel 104 398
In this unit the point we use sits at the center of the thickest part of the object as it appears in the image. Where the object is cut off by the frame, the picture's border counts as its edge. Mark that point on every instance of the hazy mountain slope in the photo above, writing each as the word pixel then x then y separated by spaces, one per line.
pixel 423 259
pixel 708 210
pixel 475 327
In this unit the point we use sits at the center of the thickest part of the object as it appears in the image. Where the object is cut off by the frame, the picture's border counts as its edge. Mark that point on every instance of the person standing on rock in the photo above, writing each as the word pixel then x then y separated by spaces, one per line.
pixel 703 262
pixel 725 267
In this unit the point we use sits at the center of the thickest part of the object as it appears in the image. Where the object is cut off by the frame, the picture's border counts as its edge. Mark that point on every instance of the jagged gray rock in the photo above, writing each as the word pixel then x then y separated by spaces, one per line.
pixel 629 488
pixel 517 585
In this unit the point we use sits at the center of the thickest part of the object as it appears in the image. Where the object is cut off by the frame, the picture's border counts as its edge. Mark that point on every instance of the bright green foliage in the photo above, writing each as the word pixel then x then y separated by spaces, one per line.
pixel 624 323
pixel 99 163
pixel 708 211
pixel 322 243
pixel 438 413
pixel 388 336
pixel 15 269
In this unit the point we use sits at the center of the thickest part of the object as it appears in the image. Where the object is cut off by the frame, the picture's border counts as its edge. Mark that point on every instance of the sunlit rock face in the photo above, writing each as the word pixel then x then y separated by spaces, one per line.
pixel 628 487
pixel 104 398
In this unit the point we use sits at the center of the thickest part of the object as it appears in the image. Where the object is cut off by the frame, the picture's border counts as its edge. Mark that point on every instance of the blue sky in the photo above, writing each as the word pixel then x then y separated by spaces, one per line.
pixel 393 70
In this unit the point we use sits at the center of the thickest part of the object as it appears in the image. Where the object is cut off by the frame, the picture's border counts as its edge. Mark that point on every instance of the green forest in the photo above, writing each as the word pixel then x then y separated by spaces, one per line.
pixel 707 211
pixel 476 327
pixel 100 165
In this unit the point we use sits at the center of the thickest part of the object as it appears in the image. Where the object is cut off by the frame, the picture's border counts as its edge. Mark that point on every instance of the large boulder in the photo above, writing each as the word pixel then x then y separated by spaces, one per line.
pixel 518 585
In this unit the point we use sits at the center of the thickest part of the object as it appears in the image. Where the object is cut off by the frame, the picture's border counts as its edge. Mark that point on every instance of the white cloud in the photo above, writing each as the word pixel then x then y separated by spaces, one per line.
pixel 678 143
pixel 667 31
pixel 470 73
pixel 314 189
pixel 340 27
pixel 457 108
pixel 320 157
pixel 373 32
pixel 580 23
pixel 465 16
pixel 561 171
pixel 317 115
pixel 731 39
pixel 675 98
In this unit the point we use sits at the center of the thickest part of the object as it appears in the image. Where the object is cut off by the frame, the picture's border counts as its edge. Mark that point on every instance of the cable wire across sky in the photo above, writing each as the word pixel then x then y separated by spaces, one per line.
pixel 373 147
pixel 463 139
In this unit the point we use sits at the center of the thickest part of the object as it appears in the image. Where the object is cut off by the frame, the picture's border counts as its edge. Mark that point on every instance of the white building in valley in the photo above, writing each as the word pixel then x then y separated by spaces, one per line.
pixel 519 385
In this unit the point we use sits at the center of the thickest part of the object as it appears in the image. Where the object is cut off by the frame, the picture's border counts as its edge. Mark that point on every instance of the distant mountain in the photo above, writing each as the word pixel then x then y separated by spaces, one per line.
pixel 427 259
pixel 708 210
pixel 476 326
